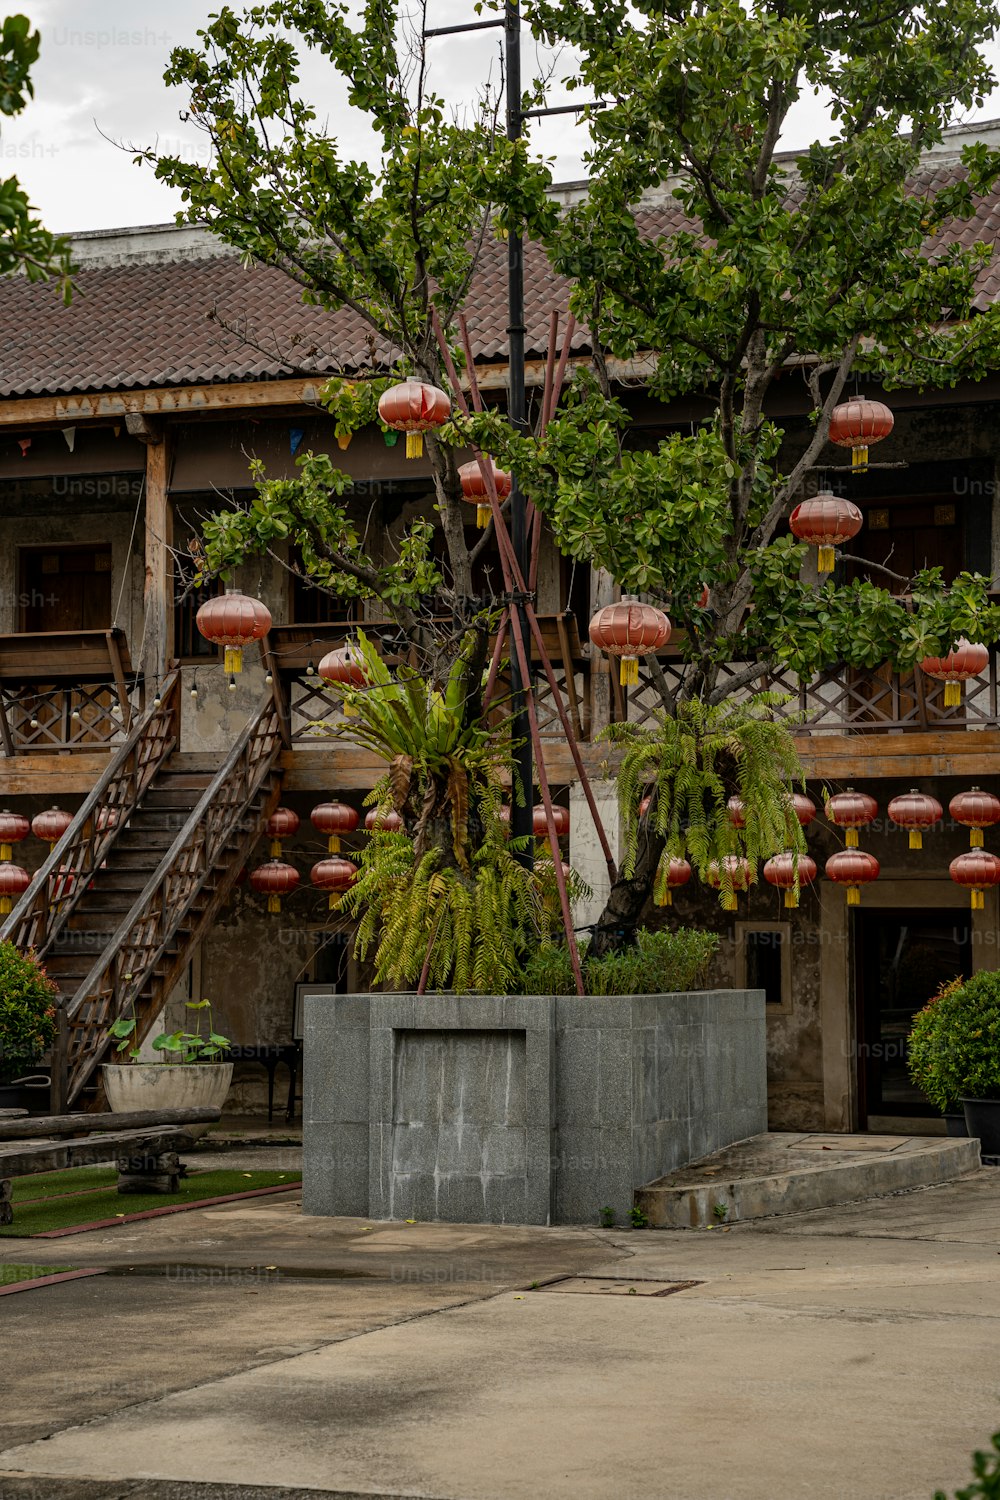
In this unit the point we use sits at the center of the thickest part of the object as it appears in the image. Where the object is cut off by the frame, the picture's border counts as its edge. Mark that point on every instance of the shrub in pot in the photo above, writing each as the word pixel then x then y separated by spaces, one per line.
pixel 954 1053
pixel 192 1071
pixel 658 963
pixel 27 1015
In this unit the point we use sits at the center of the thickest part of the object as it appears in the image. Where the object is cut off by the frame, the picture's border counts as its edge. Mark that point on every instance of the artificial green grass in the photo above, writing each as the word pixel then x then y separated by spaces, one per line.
pixel 13 1275
pixel 60 1211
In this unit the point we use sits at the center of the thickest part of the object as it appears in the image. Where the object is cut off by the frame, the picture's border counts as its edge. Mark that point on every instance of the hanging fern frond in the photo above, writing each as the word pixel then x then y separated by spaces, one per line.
pixel 690 764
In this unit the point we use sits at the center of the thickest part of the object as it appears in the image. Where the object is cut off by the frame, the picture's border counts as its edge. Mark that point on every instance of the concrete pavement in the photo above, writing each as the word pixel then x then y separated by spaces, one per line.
pixel 848 1352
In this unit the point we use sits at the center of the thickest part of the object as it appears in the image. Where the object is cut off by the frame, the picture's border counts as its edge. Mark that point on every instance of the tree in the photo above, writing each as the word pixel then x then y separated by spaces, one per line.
pixel 818 265
pixel 25 245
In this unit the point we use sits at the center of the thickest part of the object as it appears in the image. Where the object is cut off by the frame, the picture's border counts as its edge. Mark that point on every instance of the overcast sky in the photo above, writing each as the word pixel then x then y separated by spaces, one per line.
pixel 100 81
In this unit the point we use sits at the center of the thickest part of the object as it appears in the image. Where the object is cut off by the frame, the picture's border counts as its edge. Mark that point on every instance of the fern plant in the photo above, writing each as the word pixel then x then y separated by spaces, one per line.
pixel 690 764
pixel 449 902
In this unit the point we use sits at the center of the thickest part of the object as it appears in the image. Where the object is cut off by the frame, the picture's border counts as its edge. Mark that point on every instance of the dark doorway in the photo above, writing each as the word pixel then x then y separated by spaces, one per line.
pixel 902 960
pixel 65 588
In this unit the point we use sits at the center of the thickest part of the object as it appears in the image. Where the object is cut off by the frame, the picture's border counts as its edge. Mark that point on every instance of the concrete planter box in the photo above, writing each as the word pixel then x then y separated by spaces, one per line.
pixel 520 1109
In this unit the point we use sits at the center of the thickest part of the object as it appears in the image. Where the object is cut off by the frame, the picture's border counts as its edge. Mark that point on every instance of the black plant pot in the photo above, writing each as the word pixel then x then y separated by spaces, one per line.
pixel 32 1093
pixel 956 1125
pixel 982 1117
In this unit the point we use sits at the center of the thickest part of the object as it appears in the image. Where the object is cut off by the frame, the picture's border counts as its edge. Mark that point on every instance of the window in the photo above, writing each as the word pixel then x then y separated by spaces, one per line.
pixel 763 962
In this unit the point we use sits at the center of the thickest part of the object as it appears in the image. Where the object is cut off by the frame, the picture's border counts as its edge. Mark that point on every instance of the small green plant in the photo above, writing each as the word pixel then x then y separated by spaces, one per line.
pixel 954 1045
pixel 721 1212
pixel 659 963
pixel 986 1469
pixel 178 1046
pixel 637 1218
pixel 607 1217
pixel 27 1010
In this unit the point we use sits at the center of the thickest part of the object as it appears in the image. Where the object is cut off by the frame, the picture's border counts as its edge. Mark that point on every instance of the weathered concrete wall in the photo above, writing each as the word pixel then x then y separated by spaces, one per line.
pixel 520 1109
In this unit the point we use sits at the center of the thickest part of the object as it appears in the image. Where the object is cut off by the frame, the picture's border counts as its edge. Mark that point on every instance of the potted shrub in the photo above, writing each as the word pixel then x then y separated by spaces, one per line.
pixel 954 1054
pixel 192 1072
pixel 27 1021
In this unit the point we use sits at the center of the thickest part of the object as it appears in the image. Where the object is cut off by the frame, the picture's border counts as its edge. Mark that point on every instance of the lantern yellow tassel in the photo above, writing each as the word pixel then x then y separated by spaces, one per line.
pixel 952 694
pixel 852 838
pixel 275 848
pixel 628 674
pixel 333 844
pixel 791 897
pixel 826 560
pixel 859 457
pixel 274 903
pixel 6 852
pixel 975 838
pixel 334 901
pixel 483 514
pixel 5 905
pixel 234 659
pixel 916 839
pixel 414 445
pixel 854 895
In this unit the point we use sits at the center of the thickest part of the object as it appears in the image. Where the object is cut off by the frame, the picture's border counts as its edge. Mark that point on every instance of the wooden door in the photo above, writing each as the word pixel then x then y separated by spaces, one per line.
pixel 65 588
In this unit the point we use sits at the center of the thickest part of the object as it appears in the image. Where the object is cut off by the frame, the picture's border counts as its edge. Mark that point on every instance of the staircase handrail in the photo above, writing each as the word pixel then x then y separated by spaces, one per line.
pixel 56 887
pixel 128 960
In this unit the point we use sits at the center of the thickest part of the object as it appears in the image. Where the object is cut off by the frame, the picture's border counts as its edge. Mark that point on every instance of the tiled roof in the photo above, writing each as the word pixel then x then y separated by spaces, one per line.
pixel 181 318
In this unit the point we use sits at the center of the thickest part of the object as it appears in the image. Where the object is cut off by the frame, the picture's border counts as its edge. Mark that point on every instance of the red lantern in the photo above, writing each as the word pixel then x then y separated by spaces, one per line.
pixel 274 880
pixel 345 667
pixel 804 808
pixel 978 870
pixel 788 872
pixel 335 876
pixel 740 876
pixel 51 825
pixel 916 811
pixel 967 660
pixel 670 874
pixel 414 407
pixel 233 620
pixel 334 819
pixel 737 816
pixel 107 817
pixel 474 489
pixel 852 810
pixel 824 522
pixel 644 806
pixel 540 827
pixel 853 868
pixel 975 810
pixel 13 883
pixel 384 821
pixel 856 424
pixel 629 630
pixel 13 828
pixel 282 824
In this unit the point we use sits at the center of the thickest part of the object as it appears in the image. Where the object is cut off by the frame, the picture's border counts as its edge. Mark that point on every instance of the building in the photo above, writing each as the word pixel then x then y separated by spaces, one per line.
pixel 128 416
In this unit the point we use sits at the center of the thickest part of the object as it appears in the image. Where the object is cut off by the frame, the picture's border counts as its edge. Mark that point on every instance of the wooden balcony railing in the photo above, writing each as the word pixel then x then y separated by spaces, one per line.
pixel 64 690
pixel 847 699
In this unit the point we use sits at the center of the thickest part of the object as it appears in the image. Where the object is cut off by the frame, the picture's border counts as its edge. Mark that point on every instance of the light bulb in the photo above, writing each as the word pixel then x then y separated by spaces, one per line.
pixel 269 679
pixel 310 670
pixel 194 692
pixel 232 684
pixel 34 723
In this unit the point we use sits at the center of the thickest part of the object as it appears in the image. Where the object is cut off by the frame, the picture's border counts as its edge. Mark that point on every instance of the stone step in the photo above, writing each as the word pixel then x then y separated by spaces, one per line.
pixel 790 1173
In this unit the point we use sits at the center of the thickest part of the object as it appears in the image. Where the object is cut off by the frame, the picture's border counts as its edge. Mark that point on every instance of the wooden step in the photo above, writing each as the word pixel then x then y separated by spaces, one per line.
pixel 159 797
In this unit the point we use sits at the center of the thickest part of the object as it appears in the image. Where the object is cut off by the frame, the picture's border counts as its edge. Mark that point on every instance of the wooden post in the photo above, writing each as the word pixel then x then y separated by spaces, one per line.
pixel 158 589
pixel 60 1064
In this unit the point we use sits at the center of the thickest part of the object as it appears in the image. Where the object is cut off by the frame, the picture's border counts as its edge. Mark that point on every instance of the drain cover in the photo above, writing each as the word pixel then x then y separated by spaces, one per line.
pixel 615 1286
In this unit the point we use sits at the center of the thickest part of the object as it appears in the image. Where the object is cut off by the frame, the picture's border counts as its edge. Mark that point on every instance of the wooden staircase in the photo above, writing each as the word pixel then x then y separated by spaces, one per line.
pixel 139 877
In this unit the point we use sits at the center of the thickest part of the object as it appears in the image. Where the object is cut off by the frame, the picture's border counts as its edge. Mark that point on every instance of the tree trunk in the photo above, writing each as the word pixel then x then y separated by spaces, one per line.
pixel 615 927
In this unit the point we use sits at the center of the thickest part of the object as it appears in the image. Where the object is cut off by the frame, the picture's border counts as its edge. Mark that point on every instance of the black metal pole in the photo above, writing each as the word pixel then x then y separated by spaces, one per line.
pixel 520 816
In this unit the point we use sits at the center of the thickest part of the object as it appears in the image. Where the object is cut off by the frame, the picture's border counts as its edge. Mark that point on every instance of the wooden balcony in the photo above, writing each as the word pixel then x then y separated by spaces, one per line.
pixel 63 691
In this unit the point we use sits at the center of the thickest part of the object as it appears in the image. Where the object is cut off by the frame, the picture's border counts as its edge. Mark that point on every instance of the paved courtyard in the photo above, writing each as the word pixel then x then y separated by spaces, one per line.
pixel 841 1354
